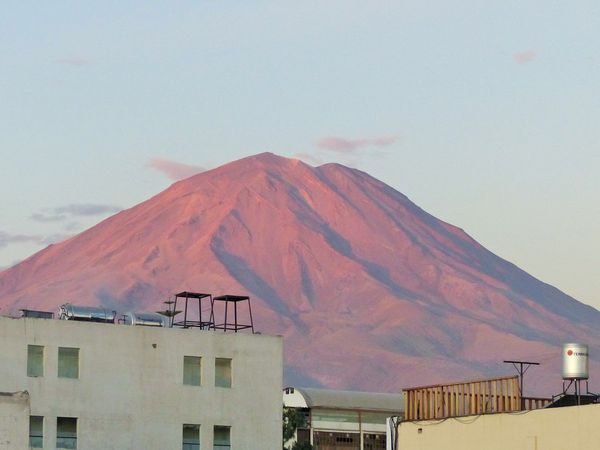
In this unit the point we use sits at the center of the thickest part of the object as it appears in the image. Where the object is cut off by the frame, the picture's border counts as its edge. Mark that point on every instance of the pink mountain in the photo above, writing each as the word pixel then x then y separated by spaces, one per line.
pixel 369 291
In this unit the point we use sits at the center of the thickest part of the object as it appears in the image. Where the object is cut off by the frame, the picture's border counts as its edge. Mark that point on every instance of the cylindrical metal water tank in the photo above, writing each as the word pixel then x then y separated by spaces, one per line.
pixel 575 362
pixel 147 319
pixel 86 313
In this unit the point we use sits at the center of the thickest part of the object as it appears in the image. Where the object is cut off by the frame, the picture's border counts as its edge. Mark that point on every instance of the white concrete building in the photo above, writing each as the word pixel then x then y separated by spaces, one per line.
pixel 343 420
pixel 103 386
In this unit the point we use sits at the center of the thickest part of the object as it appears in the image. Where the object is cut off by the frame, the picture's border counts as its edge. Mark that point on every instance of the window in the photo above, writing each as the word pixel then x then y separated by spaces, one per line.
pixel 191 437
pixel 222 438
pixel 333 415
pixel 339 440
pixel 68 362
pixel 35 361
pixel 374 441
pixel 372 417
pixel 223 372
pixel 66 432
pixel 192 367
pixel 36 431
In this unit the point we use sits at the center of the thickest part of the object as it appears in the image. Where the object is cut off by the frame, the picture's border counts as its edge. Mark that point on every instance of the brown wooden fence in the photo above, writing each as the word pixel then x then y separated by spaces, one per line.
pixel 467 398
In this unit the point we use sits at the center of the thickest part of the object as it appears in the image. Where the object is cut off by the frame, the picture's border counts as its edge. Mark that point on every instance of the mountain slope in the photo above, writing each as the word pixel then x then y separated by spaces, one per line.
pixel 369 290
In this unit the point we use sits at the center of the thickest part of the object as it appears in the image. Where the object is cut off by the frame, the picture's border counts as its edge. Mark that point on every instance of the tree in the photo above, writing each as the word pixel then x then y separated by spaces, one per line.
pixel 293 419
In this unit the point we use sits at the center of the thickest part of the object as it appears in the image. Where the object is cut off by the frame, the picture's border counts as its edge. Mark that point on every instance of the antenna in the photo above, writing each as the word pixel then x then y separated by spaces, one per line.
pixel 521 367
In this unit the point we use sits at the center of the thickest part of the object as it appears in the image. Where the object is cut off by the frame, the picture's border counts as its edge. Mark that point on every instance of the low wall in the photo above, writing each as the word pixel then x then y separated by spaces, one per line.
pixel 569 428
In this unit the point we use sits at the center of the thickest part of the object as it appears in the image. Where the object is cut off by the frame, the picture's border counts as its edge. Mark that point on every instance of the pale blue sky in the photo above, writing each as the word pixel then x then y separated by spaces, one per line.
pixel 490 110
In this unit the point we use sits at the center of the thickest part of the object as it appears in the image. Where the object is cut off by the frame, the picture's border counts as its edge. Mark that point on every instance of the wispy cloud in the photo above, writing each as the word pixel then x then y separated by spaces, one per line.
pixel 524 57
pixel 54 238
pixel 87 209
pixel 73 61
pixel 7 239
pixel 308 158
pixel 62 213
pixel 45 218
pixel 72 226
pixel 345 145
pixel 174 170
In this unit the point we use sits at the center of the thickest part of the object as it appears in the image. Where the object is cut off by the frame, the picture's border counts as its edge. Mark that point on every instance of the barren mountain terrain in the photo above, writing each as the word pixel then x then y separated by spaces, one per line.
pixel 369 291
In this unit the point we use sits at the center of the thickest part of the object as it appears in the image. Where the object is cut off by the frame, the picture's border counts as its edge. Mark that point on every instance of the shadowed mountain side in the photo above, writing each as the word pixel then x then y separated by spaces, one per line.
pixel 369 290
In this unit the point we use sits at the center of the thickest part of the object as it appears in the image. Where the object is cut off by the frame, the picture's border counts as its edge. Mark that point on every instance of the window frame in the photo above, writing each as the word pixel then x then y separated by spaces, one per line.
pixel 72 439
pixel 32 436
pixel 190 445
pixel 30 365
pixel 187 381
pixel 222 446
pixel 229 383
pixel 63 369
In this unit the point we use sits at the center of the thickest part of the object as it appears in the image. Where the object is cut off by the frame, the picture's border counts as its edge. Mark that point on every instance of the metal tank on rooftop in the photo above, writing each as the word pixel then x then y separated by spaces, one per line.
pixel 575 362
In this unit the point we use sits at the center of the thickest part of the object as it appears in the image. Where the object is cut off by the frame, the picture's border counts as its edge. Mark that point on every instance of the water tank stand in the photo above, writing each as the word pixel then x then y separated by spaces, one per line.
pixel 186 297
pixel 227 324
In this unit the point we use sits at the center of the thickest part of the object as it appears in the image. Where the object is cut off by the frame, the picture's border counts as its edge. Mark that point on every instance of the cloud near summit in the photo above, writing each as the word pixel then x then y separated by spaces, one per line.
pixel 65 212
pixel 524 57
pixel 174 170
pixel 345 145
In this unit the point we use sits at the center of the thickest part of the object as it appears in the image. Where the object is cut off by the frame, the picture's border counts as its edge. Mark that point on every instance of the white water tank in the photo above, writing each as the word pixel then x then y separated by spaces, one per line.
pixel 147 319
pixel 575 362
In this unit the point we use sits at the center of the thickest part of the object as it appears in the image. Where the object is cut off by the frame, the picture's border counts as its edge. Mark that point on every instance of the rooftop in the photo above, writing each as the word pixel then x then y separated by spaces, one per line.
pixel 334 399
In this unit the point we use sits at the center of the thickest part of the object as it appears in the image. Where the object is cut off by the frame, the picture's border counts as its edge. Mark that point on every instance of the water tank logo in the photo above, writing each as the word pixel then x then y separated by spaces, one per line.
pixel 571 353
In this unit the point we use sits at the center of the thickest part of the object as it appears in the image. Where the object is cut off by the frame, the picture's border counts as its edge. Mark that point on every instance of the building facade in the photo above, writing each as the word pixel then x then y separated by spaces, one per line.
pixel 568 428
pixel 105 386
pixel 343 420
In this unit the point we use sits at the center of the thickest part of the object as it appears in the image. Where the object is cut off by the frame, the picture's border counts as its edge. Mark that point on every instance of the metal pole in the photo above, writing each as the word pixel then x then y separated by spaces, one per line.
pixel 235 315
pixel 522 368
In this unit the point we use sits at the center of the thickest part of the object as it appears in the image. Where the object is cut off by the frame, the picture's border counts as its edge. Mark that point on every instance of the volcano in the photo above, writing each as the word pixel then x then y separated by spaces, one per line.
pixel 369 291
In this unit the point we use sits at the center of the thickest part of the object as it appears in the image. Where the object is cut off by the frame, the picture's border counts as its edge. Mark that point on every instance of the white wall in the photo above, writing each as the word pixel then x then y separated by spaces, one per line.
pixel 570 428
pixel 14 421
pixel 130 393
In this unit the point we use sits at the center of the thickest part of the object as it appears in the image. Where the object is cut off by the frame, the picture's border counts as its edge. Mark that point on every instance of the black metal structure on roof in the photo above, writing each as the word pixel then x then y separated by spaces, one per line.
pixel 578 397
pixel 574 400
pixel 36 314
pixel 198 322
pixel 235 325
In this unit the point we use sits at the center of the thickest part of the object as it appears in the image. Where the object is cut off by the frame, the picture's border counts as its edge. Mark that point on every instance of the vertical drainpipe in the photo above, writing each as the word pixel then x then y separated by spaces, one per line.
pixel 362 442
pixel 310 427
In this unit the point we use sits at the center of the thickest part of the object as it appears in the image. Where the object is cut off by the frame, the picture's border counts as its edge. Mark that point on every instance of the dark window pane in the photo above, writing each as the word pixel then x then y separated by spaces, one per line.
pixel 66 432
pixel 35 361
pixel 68 362
pixel 223 372
pixel 191 437
pixel 192 367
pixel 324 440
pixel 221 438
pixel 374 441
pixel 36 431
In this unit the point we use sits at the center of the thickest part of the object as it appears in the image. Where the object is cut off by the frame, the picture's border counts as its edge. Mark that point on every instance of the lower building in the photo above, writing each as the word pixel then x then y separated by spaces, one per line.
pixel 492 414
pixel 343 420
pixel 99 386
pixel 568 428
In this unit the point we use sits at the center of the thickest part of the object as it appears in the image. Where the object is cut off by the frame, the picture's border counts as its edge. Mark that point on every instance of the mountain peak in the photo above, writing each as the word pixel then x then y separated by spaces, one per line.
pixel 369 291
